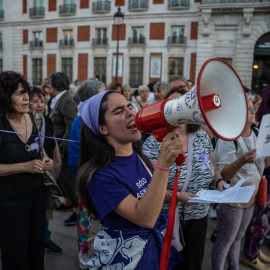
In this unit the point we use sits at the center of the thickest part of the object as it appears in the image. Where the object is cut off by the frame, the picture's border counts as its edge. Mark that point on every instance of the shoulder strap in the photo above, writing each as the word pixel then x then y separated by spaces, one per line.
pixel 190 161
pixel 235 144
pixel 42 138
pixel 255 130
pixel 215 139
pixel 32 117
pixel 145 166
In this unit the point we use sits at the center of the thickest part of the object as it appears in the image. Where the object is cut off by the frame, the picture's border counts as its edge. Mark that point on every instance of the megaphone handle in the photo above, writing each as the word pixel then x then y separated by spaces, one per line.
pixel 180 160
pixel 169 231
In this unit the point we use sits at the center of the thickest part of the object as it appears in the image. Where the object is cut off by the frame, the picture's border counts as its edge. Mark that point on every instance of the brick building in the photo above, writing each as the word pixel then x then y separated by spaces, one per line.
pixel 157 38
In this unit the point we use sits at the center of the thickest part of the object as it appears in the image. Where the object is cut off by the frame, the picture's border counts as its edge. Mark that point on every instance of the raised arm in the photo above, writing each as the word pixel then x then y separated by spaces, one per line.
pixel 145 212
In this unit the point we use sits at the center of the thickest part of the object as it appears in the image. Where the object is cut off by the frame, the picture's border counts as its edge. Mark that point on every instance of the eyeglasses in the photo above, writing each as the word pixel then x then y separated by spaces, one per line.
pixel 253 110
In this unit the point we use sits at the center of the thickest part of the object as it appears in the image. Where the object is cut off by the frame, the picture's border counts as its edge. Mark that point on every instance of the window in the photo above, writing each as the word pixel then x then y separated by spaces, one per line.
pixel 178 3
pixel 138 4
pixel 37 39
pixel 177 34
pixel 69 2
pixel 138 35
pixel 101 6
pixel 68 7
pixel 38 10
pixel 68 37
pixel 101 36
pixel 1 44
pixel 2 13
pixel 38 3
pixel 67 67
pixel 37 71
pixel 100 66
pixel 136 71
pixel 1 65
pixel 176 66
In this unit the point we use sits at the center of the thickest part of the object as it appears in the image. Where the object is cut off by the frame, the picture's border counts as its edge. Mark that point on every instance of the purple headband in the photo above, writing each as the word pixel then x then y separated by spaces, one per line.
pixel 89 111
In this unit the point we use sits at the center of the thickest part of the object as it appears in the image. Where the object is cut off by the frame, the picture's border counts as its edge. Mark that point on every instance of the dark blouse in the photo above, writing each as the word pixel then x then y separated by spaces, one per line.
pixel 17 186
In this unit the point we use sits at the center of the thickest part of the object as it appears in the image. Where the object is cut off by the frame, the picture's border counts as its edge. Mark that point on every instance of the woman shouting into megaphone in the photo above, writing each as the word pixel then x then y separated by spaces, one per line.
pixel 117 183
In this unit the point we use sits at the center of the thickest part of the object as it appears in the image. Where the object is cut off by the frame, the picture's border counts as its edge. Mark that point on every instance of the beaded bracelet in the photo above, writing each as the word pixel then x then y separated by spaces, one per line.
pixel 235 166
pixel 164 169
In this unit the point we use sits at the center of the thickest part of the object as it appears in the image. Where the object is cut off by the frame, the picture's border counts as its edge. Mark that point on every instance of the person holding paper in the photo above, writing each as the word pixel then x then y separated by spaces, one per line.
pixel 235 162
pixel 192 217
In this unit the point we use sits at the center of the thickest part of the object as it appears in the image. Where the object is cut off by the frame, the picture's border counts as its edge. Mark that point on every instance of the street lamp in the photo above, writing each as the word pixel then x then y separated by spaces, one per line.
pixel 118 21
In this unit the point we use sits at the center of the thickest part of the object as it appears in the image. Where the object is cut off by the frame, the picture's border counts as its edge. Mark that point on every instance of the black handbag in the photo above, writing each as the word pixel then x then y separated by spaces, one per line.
pixel 48 179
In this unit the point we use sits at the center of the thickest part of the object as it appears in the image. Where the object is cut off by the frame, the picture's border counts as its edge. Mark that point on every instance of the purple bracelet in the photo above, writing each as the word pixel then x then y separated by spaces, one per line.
pixel 235 166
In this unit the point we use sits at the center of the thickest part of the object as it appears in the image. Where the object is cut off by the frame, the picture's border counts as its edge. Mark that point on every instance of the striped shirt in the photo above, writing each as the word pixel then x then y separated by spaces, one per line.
pixel 201 176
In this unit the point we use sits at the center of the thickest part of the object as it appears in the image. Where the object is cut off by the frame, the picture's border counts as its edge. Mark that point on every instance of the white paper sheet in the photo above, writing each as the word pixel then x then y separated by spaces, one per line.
pixel 236 194
pixel 263 141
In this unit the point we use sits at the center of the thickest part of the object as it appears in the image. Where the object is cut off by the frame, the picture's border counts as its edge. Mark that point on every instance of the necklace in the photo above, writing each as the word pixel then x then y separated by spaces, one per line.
pixel 27 147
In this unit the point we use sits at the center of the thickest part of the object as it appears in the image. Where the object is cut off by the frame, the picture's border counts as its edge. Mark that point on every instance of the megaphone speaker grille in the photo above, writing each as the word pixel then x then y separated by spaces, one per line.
pixel 218 77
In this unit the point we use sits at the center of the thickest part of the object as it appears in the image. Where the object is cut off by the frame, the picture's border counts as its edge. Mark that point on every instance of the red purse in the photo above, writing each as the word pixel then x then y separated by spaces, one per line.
pixel 262 192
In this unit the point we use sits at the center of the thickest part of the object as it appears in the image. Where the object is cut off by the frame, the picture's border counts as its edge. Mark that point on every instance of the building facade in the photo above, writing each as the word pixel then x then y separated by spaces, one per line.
pixel 157 38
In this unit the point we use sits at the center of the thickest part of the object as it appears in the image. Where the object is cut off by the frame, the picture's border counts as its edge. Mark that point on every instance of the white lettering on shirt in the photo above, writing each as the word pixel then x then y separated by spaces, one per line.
pixel 141 193
pixel 141 182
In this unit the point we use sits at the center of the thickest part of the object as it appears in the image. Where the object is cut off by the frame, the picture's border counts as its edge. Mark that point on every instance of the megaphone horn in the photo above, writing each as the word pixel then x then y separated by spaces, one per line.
pixel 218 101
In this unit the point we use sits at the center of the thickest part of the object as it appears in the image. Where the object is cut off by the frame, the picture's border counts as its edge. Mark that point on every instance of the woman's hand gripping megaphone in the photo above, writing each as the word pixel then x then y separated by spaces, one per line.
pixel 171 149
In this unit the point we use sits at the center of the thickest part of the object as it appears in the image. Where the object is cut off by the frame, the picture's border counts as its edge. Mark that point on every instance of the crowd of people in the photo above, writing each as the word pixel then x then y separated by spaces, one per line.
pixel 86 141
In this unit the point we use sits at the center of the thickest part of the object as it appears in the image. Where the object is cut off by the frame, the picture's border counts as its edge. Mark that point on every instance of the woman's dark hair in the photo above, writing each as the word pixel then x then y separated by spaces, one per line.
pixel 9 83
pixel 265 104
pixel 114 86
pixel 44 83
pixel 97 153
pixel 181 90
pixel 35 91
pixel 60 81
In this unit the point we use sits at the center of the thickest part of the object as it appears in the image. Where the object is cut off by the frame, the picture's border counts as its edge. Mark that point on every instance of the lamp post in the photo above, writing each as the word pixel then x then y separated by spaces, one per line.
pixel 118 21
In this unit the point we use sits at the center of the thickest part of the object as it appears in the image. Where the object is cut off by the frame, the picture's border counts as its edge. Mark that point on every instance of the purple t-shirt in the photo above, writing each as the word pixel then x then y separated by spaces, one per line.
pixel 110 185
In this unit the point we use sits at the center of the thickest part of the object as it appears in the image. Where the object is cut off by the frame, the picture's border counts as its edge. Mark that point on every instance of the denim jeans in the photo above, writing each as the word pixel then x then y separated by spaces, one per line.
pixel 22 233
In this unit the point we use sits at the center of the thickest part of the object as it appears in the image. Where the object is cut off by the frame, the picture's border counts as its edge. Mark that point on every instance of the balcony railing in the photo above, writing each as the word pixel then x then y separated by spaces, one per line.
pixel 177 40
pixel 173 4
pixel 138 5
pixel 2 14
pixel 100 41
pixel 36 12
pixel 67 9
pixel 101 7
pixel 36 44
pixel 205 2
pixel 66 43
pixel 136 41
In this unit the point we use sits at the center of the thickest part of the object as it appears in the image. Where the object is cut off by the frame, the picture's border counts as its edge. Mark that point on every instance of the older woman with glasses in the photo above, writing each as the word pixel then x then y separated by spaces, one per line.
pixel 235 162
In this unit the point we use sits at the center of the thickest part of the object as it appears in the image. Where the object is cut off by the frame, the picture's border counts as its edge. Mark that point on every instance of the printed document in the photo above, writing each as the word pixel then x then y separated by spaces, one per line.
pixel 263 141
pixel 236 194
